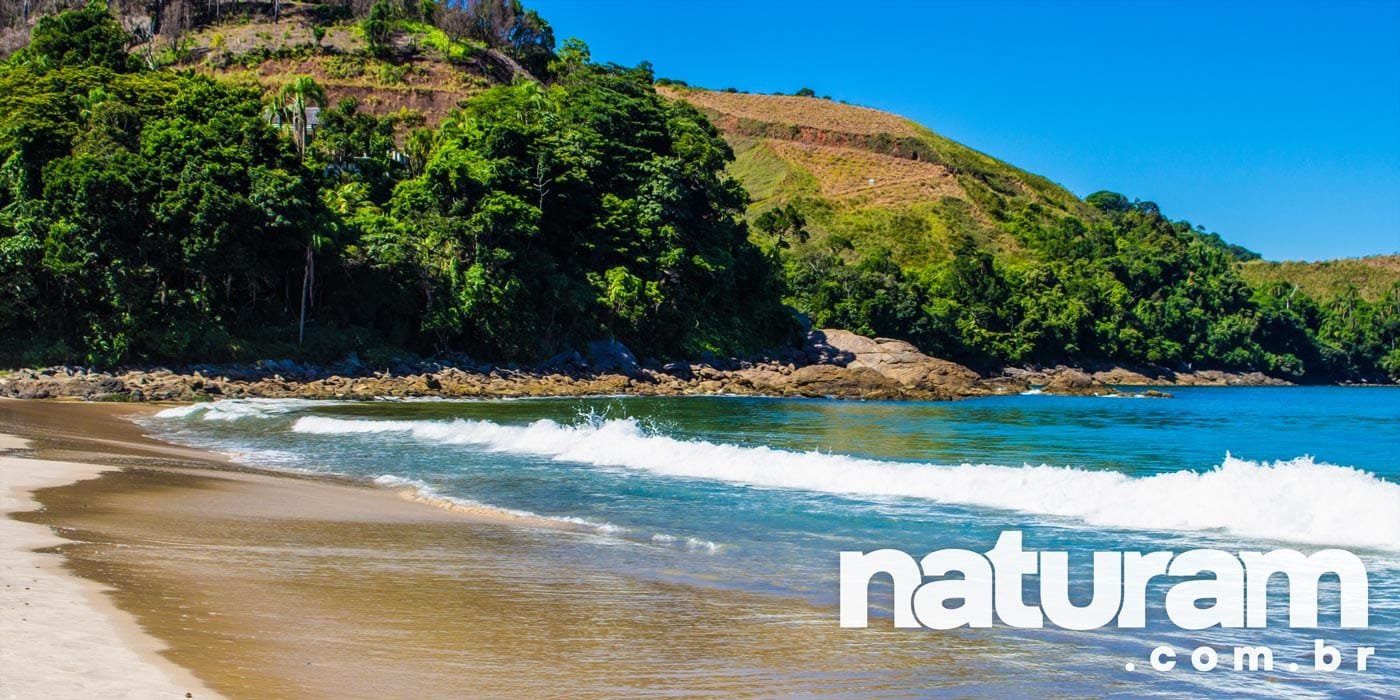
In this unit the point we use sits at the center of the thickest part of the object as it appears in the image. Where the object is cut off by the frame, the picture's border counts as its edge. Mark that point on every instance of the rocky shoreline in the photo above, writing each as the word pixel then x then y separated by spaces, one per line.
pixel 832 363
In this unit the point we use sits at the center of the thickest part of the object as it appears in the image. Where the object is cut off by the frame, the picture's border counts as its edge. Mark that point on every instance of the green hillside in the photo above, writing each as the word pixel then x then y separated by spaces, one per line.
pixel 888 228
pixel 424 176
pixel 1372 278
pixel 873 177
pixel 150 213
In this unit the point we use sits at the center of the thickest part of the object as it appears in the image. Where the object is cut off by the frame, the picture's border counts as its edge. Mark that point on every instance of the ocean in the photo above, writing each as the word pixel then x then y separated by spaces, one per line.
pixel 762 495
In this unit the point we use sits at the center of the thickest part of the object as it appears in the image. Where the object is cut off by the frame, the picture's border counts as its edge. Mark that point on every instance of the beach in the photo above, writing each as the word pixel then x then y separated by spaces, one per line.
pixel 641 546
pixel 180 572
pixel 63 637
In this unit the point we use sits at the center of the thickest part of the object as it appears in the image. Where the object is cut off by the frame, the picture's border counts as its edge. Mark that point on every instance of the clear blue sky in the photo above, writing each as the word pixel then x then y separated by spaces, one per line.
pixel 1275 124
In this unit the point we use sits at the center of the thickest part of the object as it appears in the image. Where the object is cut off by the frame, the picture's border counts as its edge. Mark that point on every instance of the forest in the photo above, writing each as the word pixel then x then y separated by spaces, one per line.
pixel 160 215
pixel 1130 286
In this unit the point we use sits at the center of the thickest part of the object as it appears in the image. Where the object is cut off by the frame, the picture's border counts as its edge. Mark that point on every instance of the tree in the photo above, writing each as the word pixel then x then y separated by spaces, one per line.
pixel 293 103
pixel 1109 202
pixel 377 28
pixel 294 100
pixel 89 36
pixel 502 24
pixel 783 222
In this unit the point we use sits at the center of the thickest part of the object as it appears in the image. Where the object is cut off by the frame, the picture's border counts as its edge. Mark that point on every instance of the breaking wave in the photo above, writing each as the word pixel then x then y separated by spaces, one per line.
pixel 1297 500
pixel 238 409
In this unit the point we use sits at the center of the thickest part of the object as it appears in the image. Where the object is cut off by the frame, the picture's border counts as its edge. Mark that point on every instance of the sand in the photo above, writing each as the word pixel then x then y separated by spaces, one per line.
pixel 266 585
pixel 61 637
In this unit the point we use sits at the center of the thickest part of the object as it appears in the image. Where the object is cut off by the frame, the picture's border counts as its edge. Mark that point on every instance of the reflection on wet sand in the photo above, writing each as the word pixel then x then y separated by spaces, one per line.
pixel 273 587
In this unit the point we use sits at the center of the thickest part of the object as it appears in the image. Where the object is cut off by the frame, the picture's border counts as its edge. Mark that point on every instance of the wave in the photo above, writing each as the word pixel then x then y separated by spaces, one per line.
pixel 238 409
pixel 420 491
pixel 1297 500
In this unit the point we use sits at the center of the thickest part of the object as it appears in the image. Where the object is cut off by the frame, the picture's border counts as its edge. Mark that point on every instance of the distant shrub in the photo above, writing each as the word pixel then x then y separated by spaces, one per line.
pixel 1391 364
pixel 344 67
pixel 327 12
pixel 391 74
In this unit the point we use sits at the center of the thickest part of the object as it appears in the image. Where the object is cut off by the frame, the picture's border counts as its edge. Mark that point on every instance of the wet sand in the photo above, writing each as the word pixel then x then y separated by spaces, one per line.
pixel 60 637
pixel 275 586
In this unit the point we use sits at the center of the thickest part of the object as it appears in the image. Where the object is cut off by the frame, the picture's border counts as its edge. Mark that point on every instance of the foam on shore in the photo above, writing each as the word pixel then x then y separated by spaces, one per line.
pixel 1297 500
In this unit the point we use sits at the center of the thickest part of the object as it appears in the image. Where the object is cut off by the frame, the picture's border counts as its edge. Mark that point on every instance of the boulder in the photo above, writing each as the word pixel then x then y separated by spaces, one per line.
pixel 900 362
pixel 831 380
pixel 611 356
pixel 1124 376
pixel 566 361
pixel 1073 382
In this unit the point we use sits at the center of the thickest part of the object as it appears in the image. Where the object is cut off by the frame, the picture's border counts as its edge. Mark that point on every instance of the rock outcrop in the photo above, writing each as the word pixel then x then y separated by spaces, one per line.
pixel 832 363
pixel 903 363
pixel 1073 382
pixel 1102 378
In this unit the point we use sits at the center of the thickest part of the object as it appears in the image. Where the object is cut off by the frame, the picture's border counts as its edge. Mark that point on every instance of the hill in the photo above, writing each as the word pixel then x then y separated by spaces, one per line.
pixel 478 178
pixel 152 213
pixel 888 228
pixel 876 178
pixel 1372 278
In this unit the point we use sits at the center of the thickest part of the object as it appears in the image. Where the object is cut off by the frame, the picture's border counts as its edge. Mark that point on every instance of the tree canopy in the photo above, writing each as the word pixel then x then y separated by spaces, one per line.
pixel 161 216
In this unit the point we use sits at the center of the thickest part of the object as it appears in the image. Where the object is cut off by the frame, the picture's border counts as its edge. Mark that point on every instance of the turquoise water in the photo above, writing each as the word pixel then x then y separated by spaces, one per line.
pixel 763 494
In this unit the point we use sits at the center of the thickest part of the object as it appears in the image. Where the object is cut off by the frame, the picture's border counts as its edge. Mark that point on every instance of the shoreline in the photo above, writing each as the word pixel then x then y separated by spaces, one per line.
pixel 258 583
pixel 65 633
pixel 64 636
pixel 833 364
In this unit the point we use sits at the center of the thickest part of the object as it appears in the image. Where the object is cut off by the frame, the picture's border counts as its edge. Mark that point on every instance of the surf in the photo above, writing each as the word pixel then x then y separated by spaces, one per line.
pixel 1297 500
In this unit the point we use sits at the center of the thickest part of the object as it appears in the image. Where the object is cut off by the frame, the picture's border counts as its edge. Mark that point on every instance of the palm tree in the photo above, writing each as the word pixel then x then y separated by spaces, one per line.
pixel 293 101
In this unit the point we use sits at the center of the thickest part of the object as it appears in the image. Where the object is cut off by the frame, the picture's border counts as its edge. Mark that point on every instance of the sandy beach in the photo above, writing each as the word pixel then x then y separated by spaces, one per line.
pixel 180 572
pixel 62 637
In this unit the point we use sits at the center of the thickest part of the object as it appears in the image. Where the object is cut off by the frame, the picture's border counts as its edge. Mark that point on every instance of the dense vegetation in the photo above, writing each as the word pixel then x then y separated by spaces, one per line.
pixel 1130 285
pixel 888 229
pixel 155 215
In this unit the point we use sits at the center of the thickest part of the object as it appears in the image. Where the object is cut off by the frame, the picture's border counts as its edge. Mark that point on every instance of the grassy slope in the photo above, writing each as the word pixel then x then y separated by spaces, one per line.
pixel 418 79
pixel 875 178
pixel 852 171
pixel 1373 277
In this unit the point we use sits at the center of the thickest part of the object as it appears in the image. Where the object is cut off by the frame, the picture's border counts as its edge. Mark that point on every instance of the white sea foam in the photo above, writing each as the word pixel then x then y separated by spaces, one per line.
pixel 238 409
pixel 422 491
pixel 426 493
pixel 1296 500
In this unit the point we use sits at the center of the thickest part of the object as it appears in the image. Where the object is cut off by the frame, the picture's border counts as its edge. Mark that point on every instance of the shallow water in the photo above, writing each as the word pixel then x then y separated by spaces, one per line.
pixel 761 495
